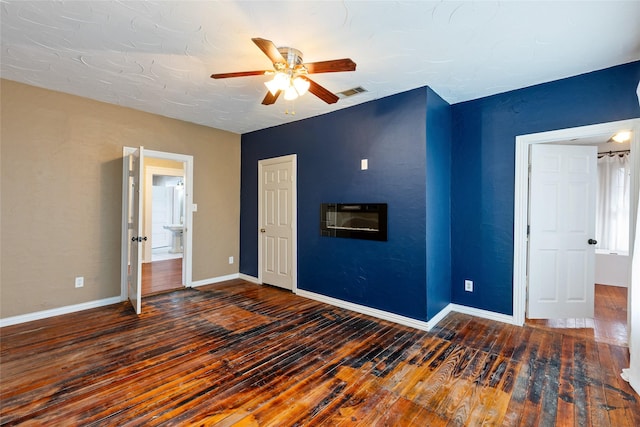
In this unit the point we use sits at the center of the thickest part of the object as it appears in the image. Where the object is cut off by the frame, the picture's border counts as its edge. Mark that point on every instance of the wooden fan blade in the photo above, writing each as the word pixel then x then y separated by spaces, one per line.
pixel 269 49
pixel 270 99
pixel 321 92
pixel 334 66
pixel 238 74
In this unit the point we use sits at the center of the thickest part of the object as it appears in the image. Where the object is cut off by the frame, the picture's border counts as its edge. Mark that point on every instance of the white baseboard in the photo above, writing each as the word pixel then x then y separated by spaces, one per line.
pixel 635 383
pixel 213 280
pixel 251 279
pixel 485 314
pixel 374 312
pixel 14 320
pixel 441 315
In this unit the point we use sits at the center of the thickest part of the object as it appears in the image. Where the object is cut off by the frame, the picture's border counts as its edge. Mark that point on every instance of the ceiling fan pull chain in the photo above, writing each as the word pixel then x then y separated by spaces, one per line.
pixel 293 109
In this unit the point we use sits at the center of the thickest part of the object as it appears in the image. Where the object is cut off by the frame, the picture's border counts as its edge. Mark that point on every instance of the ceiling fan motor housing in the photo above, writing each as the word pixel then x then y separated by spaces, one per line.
pixel 292 56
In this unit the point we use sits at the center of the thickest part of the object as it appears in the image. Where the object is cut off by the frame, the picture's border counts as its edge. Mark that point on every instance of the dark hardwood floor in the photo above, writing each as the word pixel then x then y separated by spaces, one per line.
pixel 236 353
pixel 161 276
pixel 609 324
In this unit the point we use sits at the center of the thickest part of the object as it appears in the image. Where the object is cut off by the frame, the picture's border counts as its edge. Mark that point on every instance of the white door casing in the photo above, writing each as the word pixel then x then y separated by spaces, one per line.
pixel 277 234
pixel 187 160
pixel 562 226
pixel 521 194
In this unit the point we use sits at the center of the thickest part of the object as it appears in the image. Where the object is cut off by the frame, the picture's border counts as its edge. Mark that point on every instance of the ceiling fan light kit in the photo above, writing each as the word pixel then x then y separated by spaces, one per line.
pixel 290 74
pixel 289 83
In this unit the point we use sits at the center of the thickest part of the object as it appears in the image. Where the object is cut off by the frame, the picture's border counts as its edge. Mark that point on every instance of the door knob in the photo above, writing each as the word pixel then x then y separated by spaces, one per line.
pixel 592 242
pixel 262 230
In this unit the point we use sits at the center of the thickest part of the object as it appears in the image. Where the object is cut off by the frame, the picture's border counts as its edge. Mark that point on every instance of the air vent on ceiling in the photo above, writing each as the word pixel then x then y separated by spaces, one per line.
pixel 350 92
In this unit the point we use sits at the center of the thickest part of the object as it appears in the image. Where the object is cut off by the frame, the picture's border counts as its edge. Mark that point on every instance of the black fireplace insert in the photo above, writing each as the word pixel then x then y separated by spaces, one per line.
pixel 354 220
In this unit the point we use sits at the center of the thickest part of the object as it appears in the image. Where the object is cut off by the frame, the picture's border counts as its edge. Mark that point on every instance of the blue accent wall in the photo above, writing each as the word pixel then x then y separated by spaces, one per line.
pixel 483 169
pixel 391 133
pixel 447 173
pixel 438 204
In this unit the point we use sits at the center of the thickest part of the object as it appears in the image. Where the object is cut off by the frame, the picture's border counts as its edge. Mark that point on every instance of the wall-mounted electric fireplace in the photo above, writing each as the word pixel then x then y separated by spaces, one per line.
pixel 354 220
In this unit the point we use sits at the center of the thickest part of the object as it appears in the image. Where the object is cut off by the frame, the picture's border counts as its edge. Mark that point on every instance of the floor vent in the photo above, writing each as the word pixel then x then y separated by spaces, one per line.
pixel 350 92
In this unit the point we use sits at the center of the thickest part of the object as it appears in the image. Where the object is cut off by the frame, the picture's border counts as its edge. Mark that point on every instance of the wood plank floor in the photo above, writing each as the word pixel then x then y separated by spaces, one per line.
pixel 161 276
pixel 236 353
pixel 609 324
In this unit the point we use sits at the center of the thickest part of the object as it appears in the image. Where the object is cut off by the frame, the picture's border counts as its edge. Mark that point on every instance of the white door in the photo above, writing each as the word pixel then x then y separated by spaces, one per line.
pixel 562 226
pixel 134 226
pixel 276 212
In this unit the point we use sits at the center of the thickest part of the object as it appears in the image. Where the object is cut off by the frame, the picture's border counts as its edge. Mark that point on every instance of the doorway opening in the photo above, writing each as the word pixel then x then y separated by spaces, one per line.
pixel 170 268
pixel 163 212
pixel 522 208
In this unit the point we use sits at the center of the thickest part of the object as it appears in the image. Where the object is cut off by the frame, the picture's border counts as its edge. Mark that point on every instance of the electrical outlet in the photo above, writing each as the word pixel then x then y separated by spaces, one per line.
pixel 468 285
pixel 230 260
pixel 79 282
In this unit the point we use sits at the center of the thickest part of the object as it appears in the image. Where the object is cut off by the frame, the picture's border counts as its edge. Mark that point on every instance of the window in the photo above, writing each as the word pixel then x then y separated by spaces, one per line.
pixel 612 202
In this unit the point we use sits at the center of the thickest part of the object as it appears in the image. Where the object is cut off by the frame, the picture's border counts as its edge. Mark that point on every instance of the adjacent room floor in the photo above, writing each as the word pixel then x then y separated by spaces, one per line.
pixel 609 324
pixel 161 276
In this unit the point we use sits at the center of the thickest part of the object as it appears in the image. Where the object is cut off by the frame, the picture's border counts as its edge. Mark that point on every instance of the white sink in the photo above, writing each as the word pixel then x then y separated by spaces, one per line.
pixel 176 237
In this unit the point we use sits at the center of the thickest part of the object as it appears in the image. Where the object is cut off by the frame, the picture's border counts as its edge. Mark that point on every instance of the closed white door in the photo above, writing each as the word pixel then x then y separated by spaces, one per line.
pixel 562 228
pixel 276 212
pixel 134 225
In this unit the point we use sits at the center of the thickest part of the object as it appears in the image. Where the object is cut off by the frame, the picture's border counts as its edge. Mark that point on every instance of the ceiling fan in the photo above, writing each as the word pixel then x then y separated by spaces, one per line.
pixel 291 75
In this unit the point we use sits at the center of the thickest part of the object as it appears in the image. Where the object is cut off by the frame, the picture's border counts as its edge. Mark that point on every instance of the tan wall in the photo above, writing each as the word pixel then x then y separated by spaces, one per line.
pixel 61 182
pixel 162 163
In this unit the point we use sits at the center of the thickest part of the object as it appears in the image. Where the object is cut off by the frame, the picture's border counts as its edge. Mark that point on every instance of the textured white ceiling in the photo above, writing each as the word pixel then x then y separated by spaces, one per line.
pixel 158 56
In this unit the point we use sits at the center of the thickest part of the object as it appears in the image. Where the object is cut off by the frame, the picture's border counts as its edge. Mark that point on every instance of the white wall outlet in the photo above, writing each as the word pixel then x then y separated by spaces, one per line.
pixel 364 164
pixel 230 260
pixel 79 282
pixel 468 285
pixel 194 207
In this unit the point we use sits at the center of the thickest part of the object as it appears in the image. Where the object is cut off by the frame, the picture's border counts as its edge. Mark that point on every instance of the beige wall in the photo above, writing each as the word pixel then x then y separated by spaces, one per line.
pixel 61 183
pixel 162 163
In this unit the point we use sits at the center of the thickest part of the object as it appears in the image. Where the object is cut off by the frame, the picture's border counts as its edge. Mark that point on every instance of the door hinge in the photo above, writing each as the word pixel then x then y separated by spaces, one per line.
pixel 528 230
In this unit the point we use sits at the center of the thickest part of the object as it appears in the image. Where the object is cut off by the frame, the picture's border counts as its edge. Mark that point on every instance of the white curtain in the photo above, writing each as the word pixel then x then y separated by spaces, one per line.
pixel 612 203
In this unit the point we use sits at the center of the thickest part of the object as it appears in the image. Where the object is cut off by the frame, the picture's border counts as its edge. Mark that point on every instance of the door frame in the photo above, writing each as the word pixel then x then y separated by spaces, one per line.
pixel 187 257
pixel 293 159
pixel 521 196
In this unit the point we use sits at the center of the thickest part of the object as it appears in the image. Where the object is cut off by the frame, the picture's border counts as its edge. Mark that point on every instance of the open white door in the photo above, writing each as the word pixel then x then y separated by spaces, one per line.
pixel 277 213
pixel 562 227
pixel 134 190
